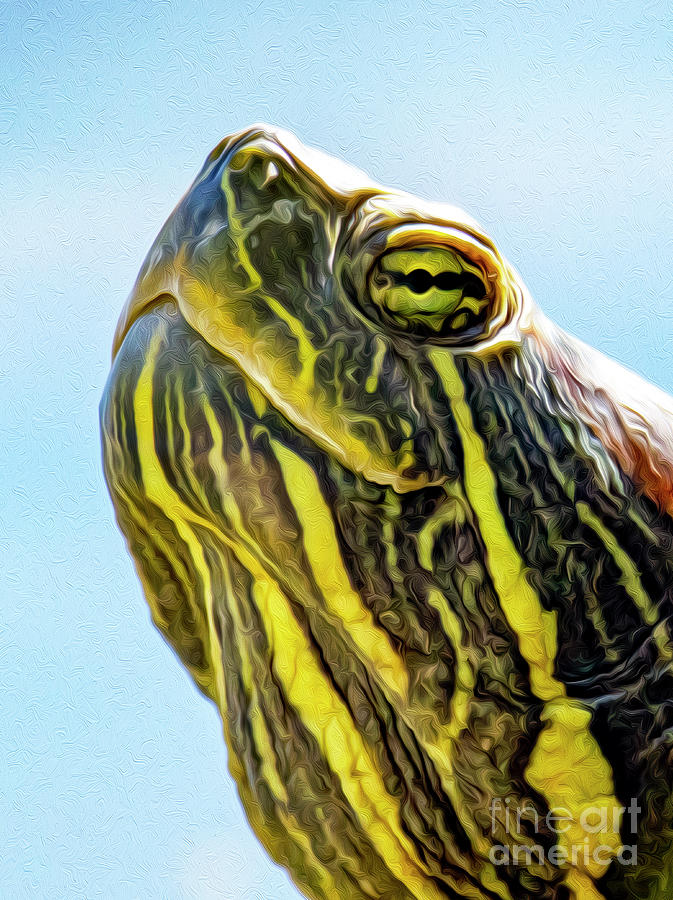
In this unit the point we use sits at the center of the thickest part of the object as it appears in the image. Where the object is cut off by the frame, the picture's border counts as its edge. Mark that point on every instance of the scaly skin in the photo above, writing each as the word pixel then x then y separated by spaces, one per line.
pixel 413 540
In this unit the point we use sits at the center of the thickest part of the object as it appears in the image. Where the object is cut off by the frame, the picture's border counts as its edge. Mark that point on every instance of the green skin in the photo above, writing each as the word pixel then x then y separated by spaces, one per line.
pixel 275 315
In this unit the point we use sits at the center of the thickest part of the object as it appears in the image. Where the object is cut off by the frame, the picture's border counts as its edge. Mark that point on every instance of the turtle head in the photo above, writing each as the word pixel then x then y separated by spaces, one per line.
pixel 326 290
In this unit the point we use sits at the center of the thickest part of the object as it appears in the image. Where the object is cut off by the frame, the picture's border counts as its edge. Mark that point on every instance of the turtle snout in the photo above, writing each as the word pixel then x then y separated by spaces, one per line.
pixel 254 166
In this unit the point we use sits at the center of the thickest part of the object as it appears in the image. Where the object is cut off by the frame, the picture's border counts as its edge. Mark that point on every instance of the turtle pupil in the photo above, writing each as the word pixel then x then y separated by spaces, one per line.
pixel 420 280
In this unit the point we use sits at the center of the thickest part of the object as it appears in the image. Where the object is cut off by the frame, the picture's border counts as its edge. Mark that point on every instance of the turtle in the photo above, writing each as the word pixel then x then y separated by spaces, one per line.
pixel 412 539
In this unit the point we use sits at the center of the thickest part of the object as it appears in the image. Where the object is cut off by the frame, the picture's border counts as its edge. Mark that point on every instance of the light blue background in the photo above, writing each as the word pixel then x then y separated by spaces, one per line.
pixel 552 126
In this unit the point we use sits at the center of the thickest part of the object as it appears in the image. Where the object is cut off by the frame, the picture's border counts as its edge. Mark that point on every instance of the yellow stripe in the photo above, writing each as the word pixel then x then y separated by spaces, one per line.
pixel 439 739
pixel 566 765
pixel 324 556
pixel 186 456
pixel 135 511
pixel 260 734
pixel 329 722
pixel 160 492
pixel 567 484
pixel 389 516
pixel 306 352
pixel 451 512
pixel 630 579
pixel 265 751
pixel 463 691
pixel 582 886
pixel 274 840
pixel 534 626
pixel 375 372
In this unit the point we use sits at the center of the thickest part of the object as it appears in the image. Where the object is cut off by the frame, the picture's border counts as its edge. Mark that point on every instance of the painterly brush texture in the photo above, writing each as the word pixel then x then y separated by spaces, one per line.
pixel 413 540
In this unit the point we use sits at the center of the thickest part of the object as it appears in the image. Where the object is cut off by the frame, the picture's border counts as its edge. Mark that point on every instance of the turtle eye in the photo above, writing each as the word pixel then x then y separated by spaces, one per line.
pixel 429 290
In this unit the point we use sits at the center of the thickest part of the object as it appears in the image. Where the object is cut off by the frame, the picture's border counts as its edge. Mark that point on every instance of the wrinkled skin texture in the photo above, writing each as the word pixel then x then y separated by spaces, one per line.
pixel 413 540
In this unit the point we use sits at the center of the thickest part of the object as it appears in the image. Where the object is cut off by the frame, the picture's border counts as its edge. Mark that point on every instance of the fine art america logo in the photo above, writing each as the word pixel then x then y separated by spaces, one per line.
pixel 588 840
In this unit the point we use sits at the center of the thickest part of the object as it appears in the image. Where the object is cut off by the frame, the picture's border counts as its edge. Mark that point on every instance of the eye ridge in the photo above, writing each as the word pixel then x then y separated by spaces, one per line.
pixel 420 280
